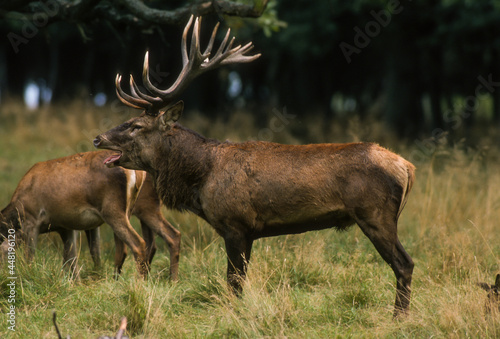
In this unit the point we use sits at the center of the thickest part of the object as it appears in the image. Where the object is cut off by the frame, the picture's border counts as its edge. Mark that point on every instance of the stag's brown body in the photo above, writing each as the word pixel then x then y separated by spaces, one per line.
pixel 275 189
pixel 257 189
pixel 79 193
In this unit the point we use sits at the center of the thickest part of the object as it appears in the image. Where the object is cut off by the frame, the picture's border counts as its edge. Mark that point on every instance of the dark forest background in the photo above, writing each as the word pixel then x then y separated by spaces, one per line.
pixel 419 66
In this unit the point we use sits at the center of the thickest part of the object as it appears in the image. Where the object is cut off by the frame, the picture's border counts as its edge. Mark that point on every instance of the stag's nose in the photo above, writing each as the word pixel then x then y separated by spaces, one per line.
pixel 97 141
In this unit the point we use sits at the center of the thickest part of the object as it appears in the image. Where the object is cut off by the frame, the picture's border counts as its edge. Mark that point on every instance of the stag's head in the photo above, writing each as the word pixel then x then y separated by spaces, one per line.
pixel 4 227
pixel 10 221
pixel 10 228
pixel 132 140
pixel 493 301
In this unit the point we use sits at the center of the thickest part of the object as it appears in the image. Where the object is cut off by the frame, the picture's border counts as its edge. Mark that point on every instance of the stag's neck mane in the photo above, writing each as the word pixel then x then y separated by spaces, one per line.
pixel 184 163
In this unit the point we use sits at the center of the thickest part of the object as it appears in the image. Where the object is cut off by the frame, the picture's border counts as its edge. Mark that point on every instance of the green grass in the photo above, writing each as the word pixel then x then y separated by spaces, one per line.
pixel 321 284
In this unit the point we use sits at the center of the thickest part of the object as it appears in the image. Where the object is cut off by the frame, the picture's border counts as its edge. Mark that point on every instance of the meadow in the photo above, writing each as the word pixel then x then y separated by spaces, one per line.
pixel 323 284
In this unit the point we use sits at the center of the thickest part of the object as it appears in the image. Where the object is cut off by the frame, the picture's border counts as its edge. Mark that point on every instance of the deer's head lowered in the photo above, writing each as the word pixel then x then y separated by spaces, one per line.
pixel 493 301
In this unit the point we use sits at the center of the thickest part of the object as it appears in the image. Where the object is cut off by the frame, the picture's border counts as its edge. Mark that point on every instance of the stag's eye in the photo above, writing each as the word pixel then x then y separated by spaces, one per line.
pixel 135 128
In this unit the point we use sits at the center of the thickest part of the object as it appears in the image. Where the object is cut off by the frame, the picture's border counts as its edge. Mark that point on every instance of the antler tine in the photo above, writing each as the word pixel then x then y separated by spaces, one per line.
pixel 222 47
pixel 194 63
pixel 185 58
pixel 230 45
pixel 136 92
pixel 208 50
pixel 127 99
pixel 156 103
pixel 233 56
pixel 237 55
pixel 145 72
pixel 188 61
pixel 162 94
pixel 194 50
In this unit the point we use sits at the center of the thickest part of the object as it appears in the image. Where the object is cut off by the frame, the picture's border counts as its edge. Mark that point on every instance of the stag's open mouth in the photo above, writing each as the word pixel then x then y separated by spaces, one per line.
pixel 113 159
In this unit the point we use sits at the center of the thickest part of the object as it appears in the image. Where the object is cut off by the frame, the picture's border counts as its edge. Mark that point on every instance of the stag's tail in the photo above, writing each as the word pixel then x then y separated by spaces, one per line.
pixel 409 184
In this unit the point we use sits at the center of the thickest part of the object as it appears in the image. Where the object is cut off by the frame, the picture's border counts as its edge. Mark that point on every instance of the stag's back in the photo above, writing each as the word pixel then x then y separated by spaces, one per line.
pixel 275 184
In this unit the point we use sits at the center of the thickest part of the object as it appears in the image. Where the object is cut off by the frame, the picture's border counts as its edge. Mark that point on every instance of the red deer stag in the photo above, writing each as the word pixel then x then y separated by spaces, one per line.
pixel 79 192
pixel 258 189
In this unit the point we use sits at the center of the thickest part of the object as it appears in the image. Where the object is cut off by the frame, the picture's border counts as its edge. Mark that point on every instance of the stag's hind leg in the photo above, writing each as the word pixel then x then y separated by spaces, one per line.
pixel 382 232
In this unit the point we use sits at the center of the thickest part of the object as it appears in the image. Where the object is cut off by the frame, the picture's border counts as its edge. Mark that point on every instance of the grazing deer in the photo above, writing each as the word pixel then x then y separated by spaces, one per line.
pixel 493 301
pixel 255 189
pixel 79 192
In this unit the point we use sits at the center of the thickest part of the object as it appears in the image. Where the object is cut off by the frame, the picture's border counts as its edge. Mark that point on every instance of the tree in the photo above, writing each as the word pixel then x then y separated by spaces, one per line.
pixel 96 36
pixel 417 60
pixel 130 12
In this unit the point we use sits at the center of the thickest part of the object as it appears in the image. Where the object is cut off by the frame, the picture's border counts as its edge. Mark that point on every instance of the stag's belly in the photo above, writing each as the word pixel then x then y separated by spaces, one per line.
pixel 78 219
pixel 294 222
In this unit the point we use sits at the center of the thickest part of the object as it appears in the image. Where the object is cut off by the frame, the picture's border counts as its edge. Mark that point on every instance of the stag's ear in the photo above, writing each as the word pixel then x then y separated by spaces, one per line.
pixel 172 114
pixel 497 281
pixel 484 286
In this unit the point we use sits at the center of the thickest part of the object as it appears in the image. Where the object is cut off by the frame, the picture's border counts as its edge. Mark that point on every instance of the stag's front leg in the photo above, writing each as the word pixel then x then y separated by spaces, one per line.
pixel 153 221
pixel 173 240
pixel 126 233
pixel 149 238
pixel 238 248
pixel 120 255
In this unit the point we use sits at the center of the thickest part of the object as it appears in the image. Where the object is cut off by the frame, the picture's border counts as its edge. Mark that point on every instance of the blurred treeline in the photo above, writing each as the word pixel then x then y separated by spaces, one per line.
pixel 420 66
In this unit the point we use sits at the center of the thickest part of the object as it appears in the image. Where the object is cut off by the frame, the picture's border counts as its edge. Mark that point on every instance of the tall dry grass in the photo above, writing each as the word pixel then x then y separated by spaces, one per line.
pixel 319 284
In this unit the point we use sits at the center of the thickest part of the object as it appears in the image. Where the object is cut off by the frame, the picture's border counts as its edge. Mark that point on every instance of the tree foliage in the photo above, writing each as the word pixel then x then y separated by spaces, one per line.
pixel 404 61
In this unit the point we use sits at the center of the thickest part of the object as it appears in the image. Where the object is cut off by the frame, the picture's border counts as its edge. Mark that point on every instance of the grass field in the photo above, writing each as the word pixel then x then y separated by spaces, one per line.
pixel 322 284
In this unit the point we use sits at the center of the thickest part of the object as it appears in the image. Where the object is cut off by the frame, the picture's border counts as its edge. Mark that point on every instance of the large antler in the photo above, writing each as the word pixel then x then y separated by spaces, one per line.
pixel 194 63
